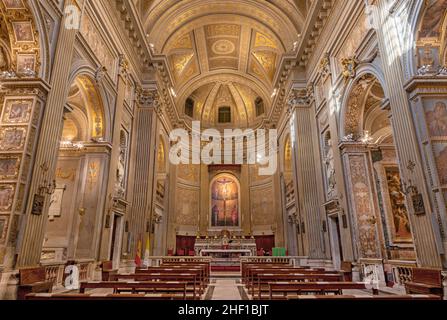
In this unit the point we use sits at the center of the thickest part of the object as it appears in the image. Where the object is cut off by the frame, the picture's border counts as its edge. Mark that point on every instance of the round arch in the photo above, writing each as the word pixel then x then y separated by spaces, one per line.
pixel 345 112
pixel 82 70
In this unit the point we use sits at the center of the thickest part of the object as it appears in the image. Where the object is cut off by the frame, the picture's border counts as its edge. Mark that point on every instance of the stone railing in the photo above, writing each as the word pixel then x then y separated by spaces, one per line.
pixel 372 270
pixel 290 260
pixel 402 271
pixel 55 272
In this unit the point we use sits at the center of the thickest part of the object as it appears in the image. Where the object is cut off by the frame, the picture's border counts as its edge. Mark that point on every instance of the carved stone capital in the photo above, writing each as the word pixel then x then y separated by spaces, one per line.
pixel 123 65
pixel 299 97
pixel 148 98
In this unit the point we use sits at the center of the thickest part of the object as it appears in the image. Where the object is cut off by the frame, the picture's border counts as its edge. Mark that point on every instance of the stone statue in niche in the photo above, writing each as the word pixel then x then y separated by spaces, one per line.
pixel 120 173
pixel 330 169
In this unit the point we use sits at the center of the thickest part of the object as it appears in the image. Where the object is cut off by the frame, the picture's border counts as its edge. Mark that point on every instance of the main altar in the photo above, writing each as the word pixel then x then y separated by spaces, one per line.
pixel 225 250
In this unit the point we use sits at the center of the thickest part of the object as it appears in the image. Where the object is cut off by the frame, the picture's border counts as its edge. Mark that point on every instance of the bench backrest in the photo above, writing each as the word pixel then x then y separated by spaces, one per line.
pixel 346 266
pixel 107 265
pixel 32 275
pixel 427 276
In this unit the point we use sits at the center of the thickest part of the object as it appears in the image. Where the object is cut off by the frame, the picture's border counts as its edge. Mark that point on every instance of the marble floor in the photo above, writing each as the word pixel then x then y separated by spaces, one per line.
pixel 226 289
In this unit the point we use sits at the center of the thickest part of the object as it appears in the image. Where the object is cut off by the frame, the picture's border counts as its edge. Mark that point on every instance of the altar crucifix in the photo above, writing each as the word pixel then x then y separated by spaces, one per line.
pixel 224 202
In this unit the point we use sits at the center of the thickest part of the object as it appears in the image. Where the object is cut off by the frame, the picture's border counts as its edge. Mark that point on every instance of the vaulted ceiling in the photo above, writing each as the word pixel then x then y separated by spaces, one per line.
pixel 223 48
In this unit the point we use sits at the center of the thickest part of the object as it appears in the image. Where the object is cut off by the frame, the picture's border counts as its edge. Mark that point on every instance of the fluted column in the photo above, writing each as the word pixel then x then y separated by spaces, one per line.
pixel 112 194
pixel 143 169
pixel 425 232
pixel 306 161
pixel 33 225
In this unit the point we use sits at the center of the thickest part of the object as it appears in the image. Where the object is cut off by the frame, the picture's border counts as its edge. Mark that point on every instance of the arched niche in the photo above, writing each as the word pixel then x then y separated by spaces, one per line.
pixel 288 160
pixel 362 104
pixel 161 157
pixel 86 112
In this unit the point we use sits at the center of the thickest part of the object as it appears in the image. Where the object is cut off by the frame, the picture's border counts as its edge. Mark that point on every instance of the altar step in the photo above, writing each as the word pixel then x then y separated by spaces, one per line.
pixel 226 275
pixel 225 268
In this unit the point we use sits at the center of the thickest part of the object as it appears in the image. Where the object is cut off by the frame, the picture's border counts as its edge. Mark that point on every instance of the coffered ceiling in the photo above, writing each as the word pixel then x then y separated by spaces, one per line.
pixel 223 47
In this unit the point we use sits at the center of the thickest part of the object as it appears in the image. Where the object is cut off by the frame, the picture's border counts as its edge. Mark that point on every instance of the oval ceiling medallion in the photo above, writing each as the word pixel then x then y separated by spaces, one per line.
pixel 223 47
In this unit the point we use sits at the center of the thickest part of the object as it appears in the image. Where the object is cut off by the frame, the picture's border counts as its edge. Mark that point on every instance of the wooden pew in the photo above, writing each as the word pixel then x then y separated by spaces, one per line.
pixel 249 269
pixel 284 288
pixel 178 269
pixel 425 281
pixel 189 278
pixel 107 270
pixel 137 286
pixel 253 272
pixel 264 278
pixel 205 265
pixel 346 270
pixel 246 265
pixel 102 296
pixel 33 280
pixel 365 298
pixel 197 272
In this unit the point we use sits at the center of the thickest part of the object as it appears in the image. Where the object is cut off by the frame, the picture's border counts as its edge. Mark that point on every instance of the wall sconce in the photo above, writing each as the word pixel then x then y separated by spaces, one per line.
pixel 46 188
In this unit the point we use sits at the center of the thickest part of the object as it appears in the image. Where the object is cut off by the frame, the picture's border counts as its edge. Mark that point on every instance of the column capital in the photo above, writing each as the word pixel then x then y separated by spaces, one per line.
pixel 148 98
pixel 300 97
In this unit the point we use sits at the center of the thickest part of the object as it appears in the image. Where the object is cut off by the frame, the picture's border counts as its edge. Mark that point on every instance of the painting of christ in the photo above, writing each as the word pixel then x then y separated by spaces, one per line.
pixel 225 202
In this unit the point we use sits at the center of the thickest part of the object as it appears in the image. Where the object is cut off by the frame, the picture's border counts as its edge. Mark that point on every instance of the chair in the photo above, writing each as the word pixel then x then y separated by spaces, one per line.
pixel 180 252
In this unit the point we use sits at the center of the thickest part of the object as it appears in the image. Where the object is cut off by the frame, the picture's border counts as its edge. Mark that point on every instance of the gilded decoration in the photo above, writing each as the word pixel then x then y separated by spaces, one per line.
pixel 188 172
pixel 23 36
pixel 349 68
pixel 17 111
pixel 9 167
pixel 187 206
pixel 7 192
pixel 262 40
pixel 3 230
pixel 356 104
pixel 12 138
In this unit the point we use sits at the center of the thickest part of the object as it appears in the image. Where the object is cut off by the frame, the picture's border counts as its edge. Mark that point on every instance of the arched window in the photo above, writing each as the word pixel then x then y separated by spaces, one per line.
pixel 224 115
pixel 189 107
pixel 259 104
